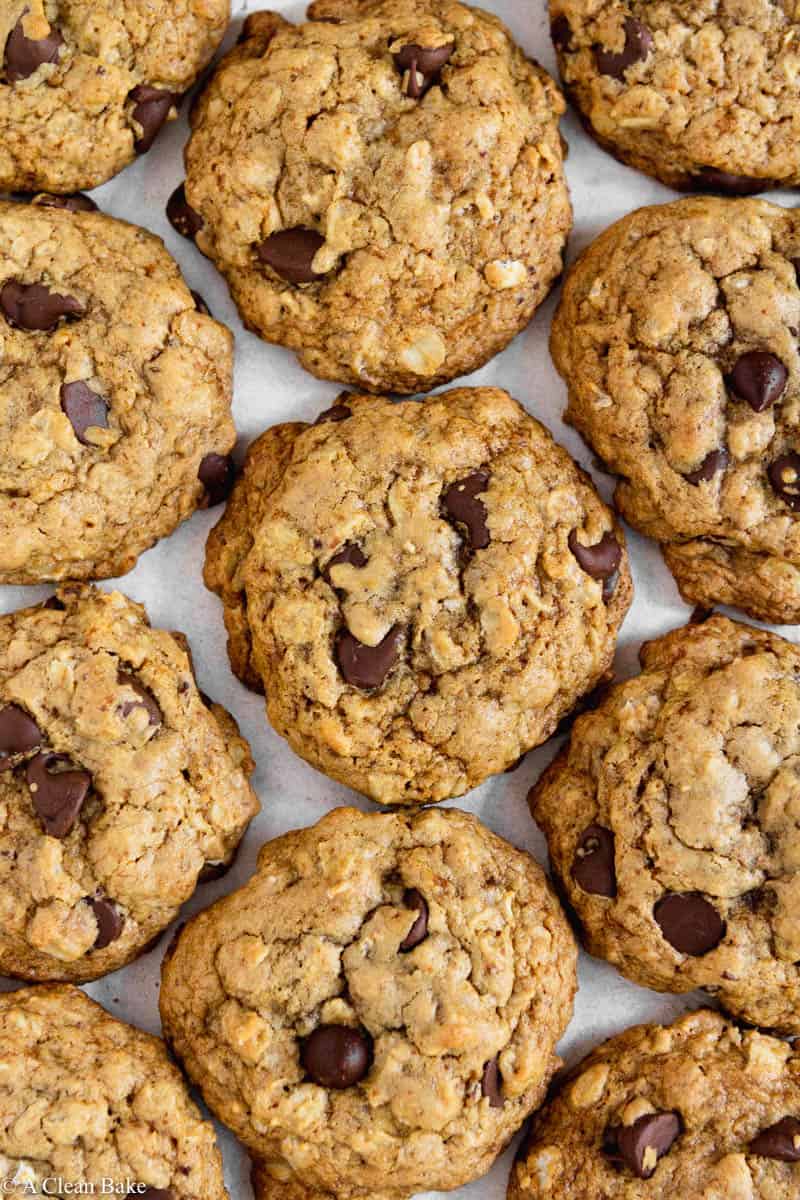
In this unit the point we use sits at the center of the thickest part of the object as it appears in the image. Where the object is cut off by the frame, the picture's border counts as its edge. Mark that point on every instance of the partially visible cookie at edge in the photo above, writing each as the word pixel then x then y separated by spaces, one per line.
pixel 115 395
pixel 701 1110
pixel 376 1012
pixel 677 336
pixel 422 590
pixel 86 85
pixel 705 97
pixel 670 820
pixel 88 1100
pixel 121 787
pixel 382 187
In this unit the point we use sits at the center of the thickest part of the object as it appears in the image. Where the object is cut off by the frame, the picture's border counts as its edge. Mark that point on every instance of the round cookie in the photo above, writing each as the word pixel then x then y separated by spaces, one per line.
pixel 376 1012
pixel 115 395
pixel 85 1098
pixel 670 820
pixel 705 97
pixel 120 786
pixel 424 590
pixel 699 1110
pixel 382 187
pixel 677 337
pixel 85 85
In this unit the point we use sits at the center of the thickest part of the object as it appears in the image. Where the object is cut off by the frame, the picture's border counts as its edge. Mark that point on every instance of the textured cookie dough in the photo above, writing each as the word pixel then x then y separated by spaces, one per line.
pixel 115 395
pixel 395 228
pixel 429 948
pixel 119 787
pixel 672 820
pixel 424 589
pixel 704 96
pixel 698 1110
pixel 86 1098
pixel 85 85
pixel 677 335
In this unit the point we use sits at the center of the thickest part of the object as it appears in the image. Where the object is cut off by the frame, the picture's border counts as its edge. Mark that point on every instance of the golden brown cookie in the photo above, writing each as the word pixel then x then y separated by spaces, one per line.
pixel 89 1103
pixel 705 97
pixel 423 590
pixel 698 1110
pixel 120 786
pixel 85 85
pixel 381 186
pixel 677 336
pixel 671 820
pixel 115 395
pixel 376 1012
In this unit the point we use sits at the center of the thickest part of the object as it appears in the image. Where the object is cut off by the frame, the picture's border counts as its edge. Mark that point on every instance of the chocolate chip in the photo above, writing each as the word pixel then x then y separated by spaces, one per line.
pixel 19 733
pixel 784 475
pixel 711 465
pixel 593 868
pixel 600 561
pixel 638 44
pixel 339 412
pixel 77 202
pixel 423 64
pixel 336 1056
pixel 84 409
pixel 759 378
pixel 796 264
pixel 700 615
pixel 414 899
pixel 181 216
pixel 58 795
pixel 212 871
pixel 639 1146
pixel 33 307
pixel 151 108
pixel 291 252
pixel 158 1194
pixel 367 667
pixel 492 1084
pixel 110 921
pixel 25 55
pixel 217 474
pixel 200 304
pixel 781 1141
pixel 689 922
pixel 351 554
pixel 711 179
pixel 462 506
pixel 561 33
pixel 144 698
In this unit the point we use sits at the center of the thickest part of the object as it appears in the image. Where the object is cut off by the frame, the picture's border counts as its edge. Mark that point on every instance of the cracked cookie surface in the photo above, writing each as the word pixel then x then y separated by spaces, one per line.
pixel 671 820
pixel 376 1012
pixel 704 96
pixel 119 787
pixel 86 1098
pixel 700 1109
pixel 115 395
pixel 85 85
pixel 677 336
pixel 382 187
pixel 423 589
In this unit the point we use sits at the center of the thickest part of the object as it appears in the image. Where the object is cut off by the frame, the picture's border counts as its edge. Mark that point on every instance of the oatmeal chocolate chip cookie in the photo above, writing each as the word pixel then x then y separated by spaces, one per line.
pixel 115 395
pixel 86 1098
pixel 423 590
pixel 382 187
pixel 677 335
pixel 85 85
pixel 671 820
pixel 120 787
pixel 698 1110
pixel 705 97
pixel 376 1012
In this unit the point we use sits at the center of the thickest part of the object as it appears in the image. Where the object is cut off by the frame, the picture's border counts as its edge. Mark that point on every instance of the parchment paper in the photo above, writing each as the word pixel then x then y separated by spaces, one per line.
pixel 271 387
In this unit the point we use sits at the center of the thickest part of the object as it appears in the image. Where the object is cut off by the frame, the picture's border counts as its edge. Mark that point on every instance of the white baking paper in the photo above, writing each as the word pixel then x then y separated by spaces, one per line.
pixel 271 387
